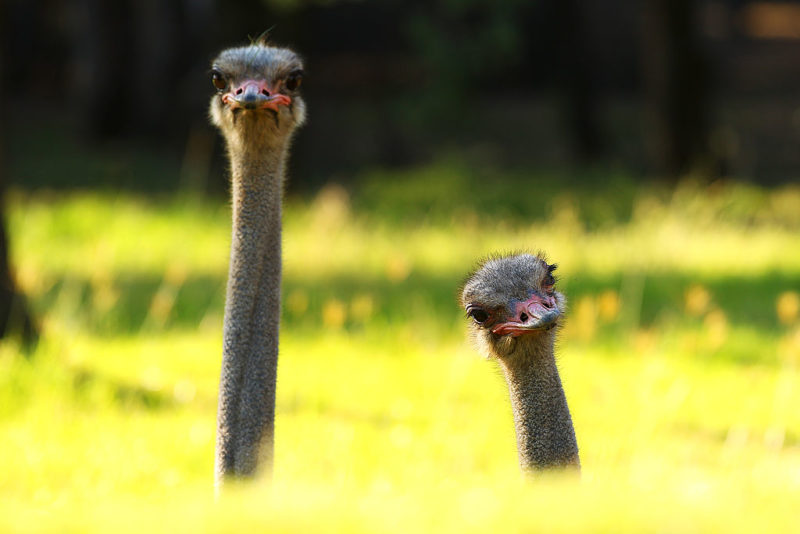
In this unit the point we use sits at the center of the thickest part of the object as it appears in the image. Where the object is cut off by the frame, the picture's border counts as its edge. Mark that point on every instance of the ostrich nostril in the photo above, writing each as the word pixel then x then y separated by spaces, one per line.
pixel 265 92
pixel 547 304
pixel 239 91
pixel 523 317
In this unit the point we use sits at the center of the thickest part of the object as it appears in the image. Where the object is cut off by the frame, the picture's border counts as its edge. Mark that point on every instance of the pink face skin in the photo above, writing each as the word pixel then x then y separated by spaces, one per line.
pixel 255 94
pixel 536 313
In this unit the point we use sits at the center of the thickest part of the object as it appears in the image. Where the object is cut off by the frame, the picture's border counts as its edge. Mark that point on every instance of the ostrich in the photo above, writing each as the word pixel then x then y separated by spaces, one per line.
pixel 515 309
pixel 257 108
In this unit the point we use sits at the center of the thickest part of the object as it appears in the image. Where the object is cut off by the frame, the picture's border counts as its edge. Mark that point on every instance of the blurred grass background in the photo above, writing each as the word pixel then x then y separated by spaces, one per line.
pixel 679 358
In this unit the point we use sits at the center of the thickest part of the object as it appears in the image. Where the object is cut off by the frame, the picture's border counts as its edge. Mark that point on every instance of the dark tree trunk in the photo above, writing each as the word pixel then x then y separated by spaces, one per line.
pixel 675 86
pixel 579 92
pixel 14 316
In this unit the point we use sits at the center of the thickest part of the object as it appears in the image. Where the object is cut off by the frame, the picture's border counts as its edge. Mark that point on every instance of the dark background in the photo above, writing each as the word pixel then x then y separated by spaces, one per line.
pixel 114 94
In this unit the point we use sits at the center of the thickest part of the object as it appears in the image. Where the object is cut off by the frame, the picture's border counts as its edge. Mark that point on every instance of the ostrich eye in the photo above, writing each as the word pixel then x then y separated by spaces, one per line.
pixel 294 80
pixel 549 280
pixel 479 315
pixel 218 80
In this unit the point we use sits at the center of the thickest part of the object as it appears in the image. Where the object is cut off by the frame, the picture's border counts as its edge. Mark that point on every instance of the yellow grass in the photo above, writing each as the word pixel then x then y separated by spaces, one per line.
pixel 685 402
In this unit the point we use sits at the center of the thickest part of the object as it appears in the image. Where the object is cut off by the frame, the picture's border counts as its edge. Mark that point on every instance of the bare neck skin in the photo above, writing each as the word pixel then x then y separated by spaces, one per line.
pixel 545 435
pixel 245 423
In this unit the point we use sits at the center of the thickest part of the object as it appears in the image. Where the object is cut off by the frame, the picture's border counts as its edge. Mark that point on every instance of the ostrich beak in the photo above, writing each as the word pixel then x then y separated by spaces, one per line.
pixel 535 314
pixel 253 94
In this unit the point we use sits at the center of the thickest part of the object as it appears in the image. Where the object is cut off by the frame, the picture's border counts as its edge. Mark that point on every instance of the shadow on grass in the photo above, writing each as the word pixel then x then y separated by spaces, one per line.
pixel 138 304
pixel 125 395
pixel 148 305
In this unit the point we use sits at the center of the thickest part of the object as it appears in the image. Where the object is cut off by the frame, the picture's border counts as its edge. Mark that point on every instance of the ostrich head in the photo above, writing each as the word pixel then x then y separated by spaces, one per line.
pixel 257 103
pixel 513 305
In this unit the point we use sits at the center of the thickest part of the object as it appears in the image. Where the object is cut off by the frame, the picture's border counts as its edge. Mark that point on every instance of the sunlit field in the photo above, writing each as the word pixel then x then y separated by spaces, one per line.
pixel 680 360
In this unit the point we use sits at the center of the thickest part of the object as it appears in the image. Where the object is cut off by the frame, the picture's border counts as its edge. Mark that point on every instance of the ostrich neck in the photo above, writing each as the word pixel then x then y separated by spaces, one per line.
pixel 545 435
pixel 245 423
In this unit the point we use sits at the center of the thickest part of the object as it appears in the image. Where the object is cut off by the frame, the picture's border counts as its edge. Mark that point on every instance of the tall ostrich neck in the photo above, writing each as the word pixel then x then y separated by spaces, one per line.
pixel 545 435
pixel 245 423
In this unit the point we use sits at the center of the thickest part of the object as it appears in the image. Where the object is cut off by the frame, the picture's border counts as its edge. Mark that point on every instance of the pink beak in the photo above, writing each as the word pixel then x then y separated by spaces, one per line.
pixel 255 94
pixel 536 313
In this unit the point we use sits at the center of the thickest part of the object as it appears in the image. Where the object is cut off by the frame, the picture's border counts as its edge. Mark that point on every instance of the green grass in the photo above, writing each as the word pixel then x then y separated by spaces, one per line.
pixel 680 360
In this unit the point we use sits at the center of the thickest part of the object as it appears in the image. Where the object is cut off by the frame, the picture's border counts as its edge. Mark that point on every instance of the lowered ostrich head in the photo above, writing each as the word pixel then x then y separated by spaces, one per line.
pixel 258 102
pixel 513 305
